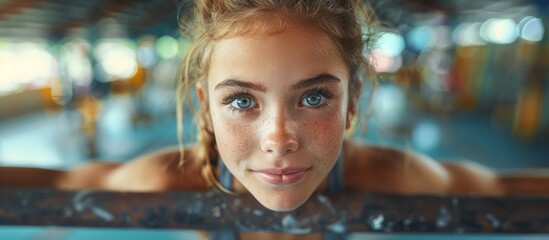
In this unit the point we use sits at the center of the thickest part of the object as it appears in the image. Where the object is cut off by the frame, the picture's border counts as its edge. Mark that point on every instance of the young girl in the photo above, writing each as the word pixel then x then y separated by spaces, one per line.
pixel 279 84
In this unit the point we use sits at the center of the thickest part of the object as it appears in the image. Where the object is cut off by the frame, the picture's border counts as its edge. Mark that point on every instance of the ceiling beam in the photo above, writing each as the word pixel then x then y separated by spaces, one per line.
pixel 12 7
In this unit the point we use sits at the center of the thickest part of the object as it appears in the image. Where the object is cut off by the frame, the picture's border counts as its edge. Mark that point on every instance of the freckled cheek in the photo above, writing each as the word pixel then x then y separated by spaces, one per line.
pixel 234 137
pixel 325 134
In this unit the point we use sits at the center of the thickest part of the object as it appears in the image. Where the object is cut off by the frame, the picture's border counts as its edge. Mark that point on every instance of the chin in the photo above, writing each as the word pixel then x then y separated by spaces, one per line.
pixel 281 202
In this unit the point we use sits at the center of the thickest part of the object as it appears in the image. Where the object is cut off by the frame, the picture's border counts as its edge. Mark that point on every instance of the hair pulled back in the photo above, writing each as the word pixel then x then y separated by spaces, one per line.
pixel 350 24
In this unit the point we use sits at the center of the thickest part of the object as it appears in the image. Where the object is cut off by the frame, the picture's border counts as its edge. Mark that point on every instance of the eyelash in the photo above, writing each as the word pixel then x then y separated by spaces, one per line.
pixel 324 91
pixel 229 99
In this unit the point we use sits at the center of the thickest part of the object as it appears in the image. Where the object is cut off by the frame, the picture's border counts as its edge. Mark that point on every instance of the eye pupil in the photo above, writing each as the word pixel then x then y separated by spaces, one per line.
pixel 313 99
pixel 244 102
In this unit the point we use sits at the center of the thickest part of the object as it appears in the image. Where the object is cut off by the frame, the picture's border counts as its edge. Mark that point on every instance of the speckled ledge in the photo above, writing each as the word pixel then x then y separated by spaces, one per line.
pixel 375 213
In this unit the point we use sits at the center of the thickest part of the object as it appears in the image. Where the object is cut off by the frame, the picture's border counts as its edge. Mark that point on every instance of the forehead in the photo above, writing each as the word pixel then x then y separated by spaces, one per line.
pixel 294 53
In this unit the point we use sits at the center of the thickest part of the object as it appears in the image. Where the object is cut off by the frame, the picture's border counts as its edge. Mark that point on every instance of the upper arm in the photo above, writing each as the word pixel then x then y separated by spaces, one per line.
pixel 525 182
pixel 146 173
pixel 29 177
pixel 392 170
pixel 88 176
pixel 157 171
pixel 472 178
pixel 429 176
pixel 422 174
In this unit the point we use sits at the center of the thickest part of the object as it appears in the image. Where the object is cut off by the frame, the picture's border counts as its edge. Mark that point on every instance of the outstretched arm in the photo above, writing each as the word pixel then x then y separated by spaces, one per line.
pixel 381 169
pixel 29 177
pixel 525 183
pixel 89 176
pixel 470 178
pixel 157 171
pixel 473 178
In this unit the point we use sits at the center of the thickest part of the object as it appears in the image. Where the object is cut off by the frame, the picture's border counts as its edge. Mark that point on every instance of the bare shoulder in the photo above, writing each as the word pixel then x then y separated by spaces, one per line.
pixel 374 168
pixel 469 177
pixel 385 169
pixel 159 171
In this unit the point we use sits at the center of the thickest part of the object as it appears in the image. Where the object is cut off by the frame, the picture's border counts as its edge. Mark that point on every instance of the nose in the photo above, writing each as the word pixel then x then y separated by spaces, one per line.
pixel 279 137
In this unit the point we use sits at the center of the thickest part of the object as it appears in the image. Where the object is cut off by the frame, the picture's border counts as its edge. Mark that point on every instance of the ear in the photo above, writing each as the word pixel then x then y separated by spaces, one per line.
pixel 352 108
pixel 201 93
pixel 351 113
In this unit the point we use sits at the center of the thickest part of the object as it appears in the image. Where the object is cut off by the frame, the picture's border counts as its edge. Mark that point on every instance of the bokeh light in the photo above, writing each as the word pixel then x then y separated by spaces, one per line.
pixel 531 29
pixel 26 65
pixel 499 30
pixel 146 52
pixel 384 63
pixel 7 83
pixel 75 59
pixel 120 63
pixel 167 47
pixel 117 58
pixel 36 66
pixel 441 38
pixel 146 56
pixel 390 44
pixel 389 105
pixel 421 37
pixel 426 136
pixel 386 55
pixel 468 34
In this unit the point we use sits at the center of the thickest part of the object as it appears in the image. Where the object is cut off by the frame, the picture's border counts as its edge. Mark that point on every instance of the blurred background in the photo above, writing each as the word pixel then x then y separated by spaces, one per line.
pixel 95 80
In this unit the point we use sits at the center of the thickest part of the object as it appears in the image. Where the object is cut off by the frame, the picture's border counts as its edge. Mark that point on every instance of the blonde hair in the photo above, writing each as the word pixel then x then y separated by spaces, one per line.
pixel 350 24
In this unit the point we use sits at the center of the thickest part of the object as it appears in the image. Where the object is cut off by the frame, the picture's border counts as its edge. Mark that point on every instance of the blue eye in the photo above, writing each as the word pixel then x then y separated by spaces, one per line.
pixel 313 100
pixel 243 102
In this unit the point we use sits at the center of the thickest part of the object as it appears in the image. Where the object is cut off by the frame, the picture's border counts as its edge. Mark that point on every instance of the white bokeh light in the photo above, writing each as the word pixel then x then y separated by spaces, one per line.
pixel 468 34
pixel 74 55
pixel 7 83
pixel 499 30
pixel 25 65
pixel 390 43
pixel 531 29
pixel 36 66
pixel 117 59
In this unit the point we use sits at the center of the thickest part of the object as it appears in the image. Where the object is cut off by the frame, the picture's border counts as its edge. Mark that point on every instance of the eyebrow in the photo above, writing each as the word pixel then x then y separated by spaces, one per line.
pixel 319 79
pixel 237 83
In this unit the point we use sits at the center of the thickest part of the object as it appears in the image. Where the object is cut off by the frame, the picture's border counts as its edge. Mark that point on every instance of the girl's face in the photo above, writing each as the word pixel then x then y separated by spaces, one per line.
pixel 279 110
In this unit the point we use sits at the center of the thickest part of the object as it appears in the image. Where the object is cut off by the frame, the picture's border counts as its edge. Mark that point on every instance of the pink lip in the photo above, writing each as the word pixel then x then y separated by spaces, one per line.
pixel 281 176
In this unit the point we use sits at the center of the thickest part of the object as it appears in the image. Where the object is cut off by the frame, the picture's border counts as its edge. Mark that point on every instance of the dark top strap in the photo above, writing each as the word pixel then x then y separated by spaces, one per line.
pixel 336 182
pixel 226 180
pixel 224 175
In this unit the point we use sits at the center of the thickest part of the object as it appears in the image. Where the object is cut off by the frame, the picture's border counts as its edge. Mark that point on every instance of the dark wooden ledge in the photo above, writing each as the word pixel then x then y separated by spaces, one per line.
pixel 372 213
